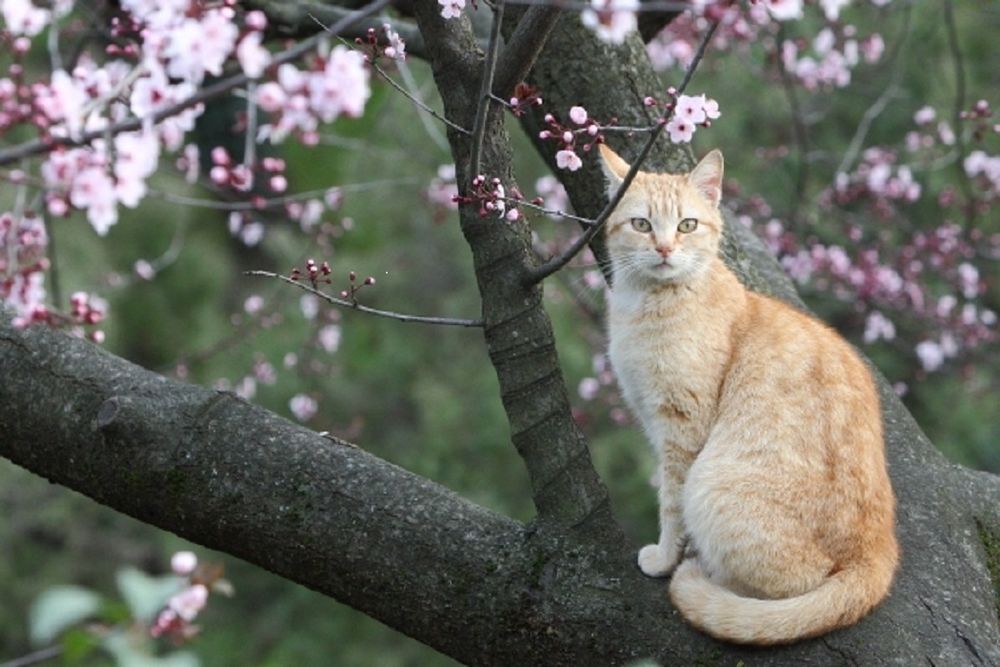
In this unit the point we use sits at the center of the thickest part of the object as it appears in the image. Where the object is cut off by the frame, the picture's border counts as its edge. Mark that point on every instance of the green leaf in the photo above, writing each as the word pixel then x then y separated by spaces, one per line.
pixel 58 608
pixel 146 595
pixel 76 645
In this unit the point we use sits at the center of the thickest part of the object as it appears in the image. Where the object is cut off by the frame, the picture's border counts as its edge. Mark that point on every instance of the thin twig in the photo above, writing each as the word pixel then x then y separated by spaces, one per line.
pixel 959 62
pixel 418 102
pixel 876 109
pixel 543 271
pixel 547 211
pixel 34 658
pixel 485 91
pixel 448 321
pixel 799 128
pixel 276 202
pixel 221 87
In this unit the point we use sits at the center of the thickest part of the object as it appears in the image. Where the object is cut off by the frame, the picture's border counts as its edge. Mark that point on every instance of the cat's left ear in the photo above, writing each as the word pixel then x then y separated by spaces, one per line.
pixel 707 177
pixel 615 168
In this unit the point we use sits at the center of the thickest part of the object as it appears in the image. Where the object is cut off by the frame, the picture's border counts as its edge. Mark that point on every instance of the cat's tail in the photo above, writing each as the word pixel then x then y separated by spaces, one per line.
pixel 842 599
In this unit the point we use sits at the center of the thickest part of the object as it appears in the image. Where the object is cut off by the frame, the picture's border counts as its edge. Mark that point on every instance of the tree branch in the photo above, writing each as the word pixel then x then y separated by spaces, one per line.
pixel 565 487
pixel 354 305
pixel 523 47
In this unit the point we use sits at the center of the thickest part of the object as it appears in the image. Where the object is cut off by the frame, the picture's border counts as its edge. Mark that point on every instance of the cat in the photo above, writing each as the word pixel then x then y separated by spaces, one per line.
pixel 766 425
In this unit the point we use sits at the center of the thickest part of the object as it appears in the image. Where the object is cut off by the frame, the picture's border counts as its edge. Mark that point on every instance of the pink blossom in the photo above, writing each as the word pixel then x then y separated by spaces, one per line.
pixel 304 407
pixel 198 46
pixel 568 159
pixel 878 326
pixel 872 48
pixel 451 8
pixel 710 107
pixel 924 115
pixel 553 193
pixel 189 601
pixel 94 191
pixel 588 388
pixel 612 20
pixel 578 115
pixel 246 388
pixel 680 130
pixel 183 563
pixel 253 57
pixel 832 8
pixel 397 47
pixel 23 18
pixel 784 10
pixel 931 355
pixel 690 109
pixel 329 338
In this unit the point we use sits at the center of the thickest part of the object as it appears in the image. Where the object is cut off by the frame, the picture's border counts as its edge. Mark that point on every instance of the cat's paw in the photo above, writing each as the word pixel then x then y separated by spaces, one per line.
pixel 654 561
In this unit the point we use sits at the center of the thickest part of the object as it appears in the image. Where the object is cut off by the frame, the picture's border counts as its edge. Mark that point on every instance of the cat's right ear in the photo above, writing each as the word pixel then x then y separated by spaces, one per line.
pixel 615 168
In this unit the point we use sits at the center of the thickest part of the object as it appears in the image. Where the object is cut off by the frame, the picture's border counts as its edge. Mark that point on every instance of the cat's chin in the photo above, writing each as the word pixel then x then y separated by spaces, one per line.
pixel 667 274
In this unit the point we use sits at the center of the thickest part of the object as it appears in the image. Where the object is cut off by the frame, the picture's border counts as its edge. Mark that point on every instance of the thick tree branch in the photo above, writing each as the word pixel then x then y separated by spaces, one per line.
pixel 299 19
pixel 518 333
pixel 523 47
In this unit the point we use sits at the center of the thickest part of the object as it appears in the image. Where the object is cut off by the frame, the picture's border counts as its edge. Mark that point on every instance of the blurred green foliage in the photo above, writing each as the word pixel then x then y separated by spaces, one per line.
pixel 422 397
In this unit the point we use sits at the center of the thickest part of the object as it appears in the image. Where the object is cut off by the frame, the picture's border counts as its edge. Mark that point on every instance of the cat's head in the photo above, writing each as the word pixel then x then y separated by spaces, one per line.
pixel 667 227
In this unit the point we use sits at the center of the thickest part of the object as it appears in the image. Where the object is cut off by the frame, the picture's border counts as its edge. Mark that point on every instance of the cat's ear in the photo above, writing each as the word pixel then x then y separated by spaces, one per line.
pixel 707 177
pixel 615 168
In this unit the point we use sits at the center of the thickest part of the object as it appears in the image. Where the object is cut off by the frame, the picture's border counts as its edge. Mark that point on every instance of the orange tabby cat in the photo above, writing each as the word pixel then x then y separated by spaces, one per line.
pixel 765 422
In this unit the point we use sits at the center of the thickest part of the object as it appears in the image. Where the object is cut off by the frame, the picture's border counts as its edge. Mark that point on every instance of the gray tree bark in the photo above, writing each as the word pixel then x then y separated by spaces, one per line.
pixel 480 587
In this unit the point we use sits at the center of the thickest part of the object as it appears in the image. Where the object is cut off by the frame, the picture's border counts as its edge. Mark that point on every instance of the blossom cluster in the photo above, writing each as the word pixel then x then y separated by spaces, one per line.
pixel 492 198
pixel 683 114
pixel 825 61
pixel 925 283
pixel 581 133
pixel 336 84
pixel 176 618
pixel 382 43
pixel 23 262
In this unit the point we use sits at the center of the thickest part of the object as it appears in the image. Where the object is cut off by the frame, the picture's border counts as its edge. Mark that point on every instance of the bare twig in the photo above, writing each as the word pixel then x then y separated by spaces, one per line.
pixel 799 128
pixel 959 63
pixel 876 109
pixel 217 89
pixel 485 90
pixel 447 321
pixel 418 102
pixel 547 211
pixel 541 272
pixel 262 204
pixel 34 658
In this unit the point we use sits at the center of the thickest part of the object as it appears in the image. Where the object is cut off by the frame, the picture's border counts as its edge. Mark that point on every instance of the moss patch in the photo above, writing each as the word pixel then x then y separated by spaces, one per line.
pixel 991 542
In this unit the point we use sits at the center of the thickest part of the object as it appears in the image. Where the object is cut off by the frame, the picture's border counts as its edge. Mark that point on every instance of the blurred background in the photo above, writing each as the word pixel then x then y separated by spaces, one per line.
pixel 178 302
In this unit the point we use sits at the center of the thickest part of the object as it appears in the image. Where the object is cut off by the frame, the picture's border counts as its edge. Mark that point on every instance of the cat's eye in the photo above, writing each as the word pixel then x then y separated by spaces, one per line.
pixel 642 225
pixel 687 225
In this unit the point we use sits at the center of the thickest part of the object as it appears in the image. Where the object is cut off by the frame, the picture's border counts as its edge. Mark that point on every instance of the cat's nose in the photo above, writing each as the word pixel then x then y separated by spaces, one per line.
pixel 664 250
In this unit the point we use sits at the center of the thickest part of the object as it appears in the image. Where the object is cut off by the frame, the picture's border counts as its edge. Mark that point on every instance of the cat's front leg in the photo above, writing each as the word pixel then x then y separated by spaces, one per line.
pixel 660 559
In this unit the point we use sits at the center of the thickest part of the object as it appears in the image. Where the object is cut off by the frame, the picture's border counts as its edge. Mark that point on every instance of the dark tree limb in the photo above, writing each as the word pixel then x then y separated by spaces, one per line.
pixel 518 333
pixel 475 585
pixel 523 47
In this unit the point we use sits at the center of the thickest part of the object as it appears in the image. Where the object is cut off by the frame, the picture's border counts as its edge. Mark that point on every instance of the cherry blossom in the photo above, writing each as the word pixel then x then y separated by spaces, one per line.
pixel 681 131
pixel 303 406
pixel 568 159
pixel 451 8
pixel 23 18
pixel 611 20
pixel 183 563
pixel 253 57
